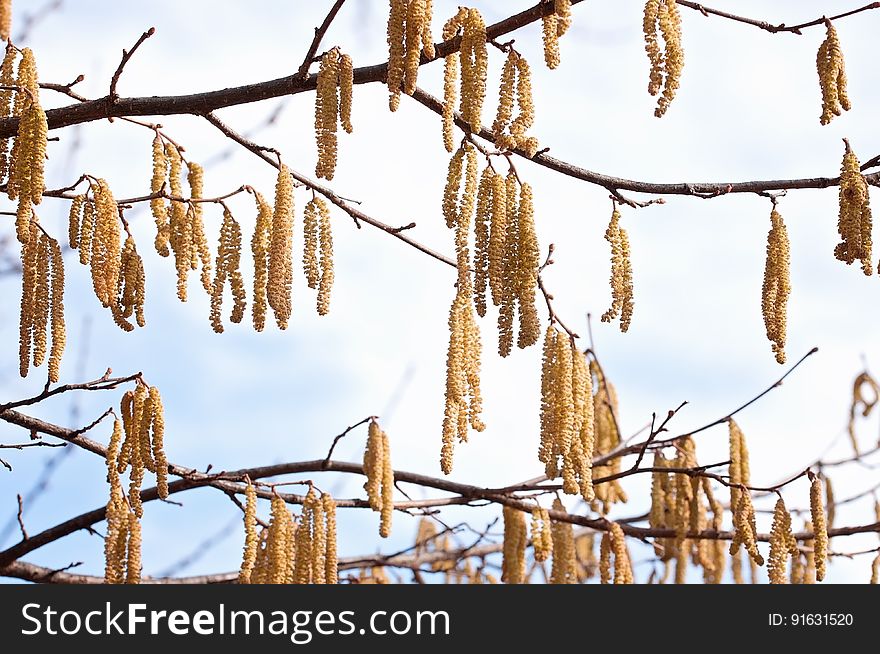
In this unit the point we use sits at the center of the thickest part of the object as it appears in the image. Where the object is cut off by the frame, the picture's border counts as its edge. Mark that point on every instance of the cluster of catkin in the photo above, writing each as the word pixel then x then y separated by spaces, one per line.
pixel 332 107
pixel 143 446
pixel 380 476
pixel 508 132
pixel 832 76
pixel 777 284
pixel 854 220
pixel 507 257
pixel 318 239
pixel 782 544
pixel 23 165
pixel 607 439
pixel 613 552
pixel 409 36
pixel 567 421
pixel 666 64
pixel 555 24
pixel 42 303
pixel 682 503
pixel 180 224
pixel 122 544
pixel 117 271
pixel 472 58
pixel 286 552
pixel 621 274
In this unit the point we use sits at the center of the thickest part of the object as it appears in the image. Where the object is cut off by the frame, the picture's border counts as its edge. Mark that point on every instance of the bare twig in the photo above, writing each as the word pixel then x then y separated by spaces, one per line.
pixel 126 56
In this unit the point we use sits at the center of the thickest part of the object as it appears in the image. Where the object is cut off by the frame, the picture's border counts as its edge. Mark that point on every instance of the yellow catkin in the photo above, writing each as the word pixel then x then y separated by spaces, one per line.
pixel 745 532
pixel 331 565
pixel 562 9
pixel 227 267
pixel 106 244
pixel 310 243
pixel 474 59
pixel 157 205
pixel 260 250
pixel 42 301
pixel 326 113
pixel 830 503
pixel 854 220
pixel 605 559
pixel 820 528
pixel 498 238
pixel 780 543
pixel 607 438
pixel 130 287
pixel 622 565
pixel 458 209
pixel 551 41
pixel 528 261
pixel 482 227
pixel 373 462
pixel 86 232
pixel 513 563
pixel 396 50
pixel 180 227
pixel 621 274
pixel 450 77
pixel 280 250
pixel 26 167
pixel 5 19
pixel 777 284
pixel 73 220
pixel 29 266
pixel 325 237
pixel 387 511
pixel 319 542
pixel 346 83
pixel 875 569
pixel 666 65
pixel 133 561
pixel 158 442
pixel 116 514
pixel 510 268
pixel 427 36
pixel 832 76
pixel 415 24
pixel 7 80
pixel 249 556
pixel 540 535
pixel 59 333
pixel 200 253
pixel 277 542
pixel 564 568
pixel 504 113
pixel 739 471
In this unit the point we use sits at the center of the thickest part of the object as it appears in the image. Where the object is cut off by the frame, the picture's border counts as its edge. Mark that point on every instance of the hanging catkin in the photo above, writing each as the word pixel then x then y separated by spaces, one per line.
pixel 832 76
pixel 482 227
pixel 326 114
pixel 666 65
pixel 157 205
pixel 5 19
pixel 249 556
pixel 280 266
pixel 130 290
pixel 227 267
pixel 318 237
pixel 607 438
pixel 555 24
pixel 331 564
pixel 541 535
pixel 854 220
pixel 564 568
pixel 513 563
pixel 471 59
pixel 621 274
pixel 200 253
pixel 179 225
pixel 463 399
pixel 510 133
pixel 777 284
pixel 105 244
pixel 739 469
pixel 7 81
pixel 820 528
pixel 380 476
pixel 782 544
pixel 260 251
pixel 458 210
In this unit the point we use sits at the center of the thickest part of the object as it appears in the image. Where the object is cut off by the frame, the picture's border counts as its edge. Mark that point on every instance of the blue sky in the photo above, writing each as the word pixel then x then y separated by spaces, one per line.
pixel 747 108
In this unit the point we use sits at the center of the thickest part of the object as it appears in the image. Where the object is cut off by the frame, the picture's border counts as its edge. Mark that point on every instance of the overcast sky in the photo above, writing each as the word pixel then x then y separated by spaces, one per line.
pixel 748 108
